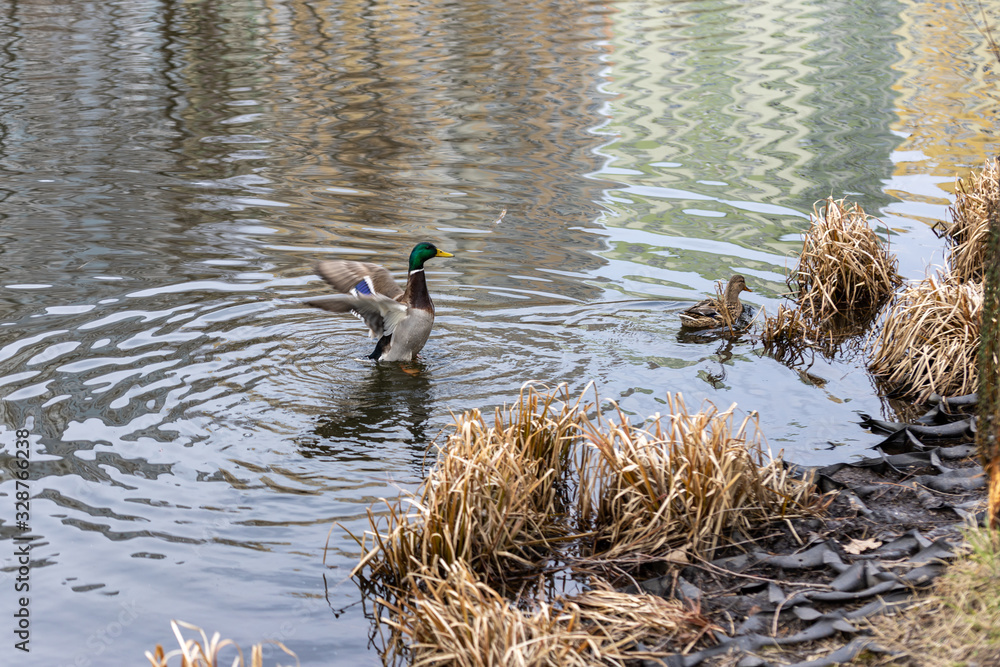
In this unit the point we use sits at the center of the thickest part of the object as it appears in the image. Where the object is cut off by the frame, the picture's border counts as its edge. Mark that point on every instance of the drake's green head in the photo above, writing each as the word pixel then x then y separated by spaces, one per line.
pixel 423 252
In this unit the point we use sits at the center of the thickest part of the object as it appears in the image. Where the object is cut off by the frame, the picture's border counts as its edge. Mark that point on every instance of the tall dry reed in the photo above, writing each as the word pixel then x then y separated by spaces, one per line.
pixel 929 340
pixel 456 619
pixel 968 231
pixel 844 268
pixel 681 486
pixel 498 497
pixel 545 483
pixel 493 500
pixel 789 333
pixel 207 652
pixel 729 319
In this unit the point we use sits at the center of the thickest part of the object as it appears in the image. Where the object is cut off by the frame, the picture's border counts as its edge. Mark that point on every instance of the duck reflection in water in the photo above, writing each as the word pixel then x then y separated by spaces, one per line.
pixel 393 405
pixel 723 354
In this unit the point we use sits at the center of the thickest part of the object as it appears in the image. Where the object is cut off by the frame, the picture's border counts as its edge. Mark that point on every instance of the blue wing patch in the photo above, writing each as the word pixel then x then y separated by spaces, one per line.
pixel 363 287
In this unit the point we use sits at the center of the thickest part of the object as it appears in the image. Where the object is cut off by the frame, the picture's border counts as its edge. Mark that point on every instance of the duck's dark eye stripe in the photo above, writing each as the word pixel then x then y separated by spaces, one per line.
pixel 363 288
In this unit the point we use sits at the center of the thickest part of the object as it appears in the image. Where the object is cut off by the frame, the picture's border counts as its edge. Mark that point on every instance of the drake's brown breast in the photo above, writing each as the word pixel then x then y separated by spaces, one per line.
pixel 416 292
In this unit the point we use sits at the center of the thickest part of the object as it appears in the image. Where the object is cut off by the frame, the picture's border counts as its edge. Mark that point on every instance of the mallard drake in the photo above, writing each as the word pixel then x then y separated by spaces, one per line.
pixel 400 319
pixel 708 313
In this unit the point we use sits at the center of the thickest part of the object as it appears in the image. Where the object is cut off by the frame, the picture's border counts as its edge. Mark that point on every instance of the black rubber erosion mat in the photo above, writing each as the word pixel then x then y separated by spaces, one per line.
pixel 892 527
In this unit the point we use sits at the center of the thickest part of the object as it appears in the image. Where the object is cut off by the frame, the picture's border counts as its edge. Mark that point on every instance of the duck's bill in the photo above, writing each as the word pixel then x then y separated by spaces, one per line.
pixel 442 253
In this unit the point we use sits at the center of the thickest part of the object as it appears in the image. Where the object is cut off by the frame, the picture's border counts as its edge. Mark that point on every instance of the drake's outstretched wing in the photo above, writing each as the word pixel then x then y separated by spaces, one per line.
pixel 359 278
pixel 379 312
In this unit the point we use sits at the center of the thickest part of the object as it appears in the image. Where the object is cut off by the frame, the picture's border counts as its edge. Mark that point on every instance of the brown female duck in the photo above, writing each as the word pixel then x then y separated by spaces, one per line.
pixel 708 313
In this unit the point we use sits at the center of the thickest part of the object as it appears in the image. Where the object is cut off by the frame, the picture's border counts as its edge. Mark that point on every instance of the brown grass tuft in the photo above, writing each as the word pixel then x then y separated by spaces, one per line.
pixel 499 497
pixel 455 619
pixel 969 229
pixel 494 499
pixel 844 268
pixel 789 333
pixel 680 488
pixel 545 484
pixel 929 341
pixel 627 618
pixel 206 652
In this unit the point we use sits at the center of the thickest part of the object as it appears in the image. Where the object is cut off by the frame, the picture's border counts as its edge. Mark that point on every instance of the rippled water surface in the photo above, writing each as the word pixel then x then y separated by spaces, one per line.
pixel 169 172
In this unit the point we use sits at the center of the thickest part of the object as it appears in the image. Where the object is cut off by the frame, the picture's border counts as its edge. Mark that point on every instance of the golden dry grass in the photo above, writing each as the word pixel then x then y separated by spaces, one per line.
pixel 546 484
pixel 845 274
pixel 456 619
pixel 677 488
pixel 958 623
pixel 930 338
pixel 968 231
pixel 786 335
pixel 627 618
pixel 844 268
pixel 205 653
pixel 493 499
pixel 498 499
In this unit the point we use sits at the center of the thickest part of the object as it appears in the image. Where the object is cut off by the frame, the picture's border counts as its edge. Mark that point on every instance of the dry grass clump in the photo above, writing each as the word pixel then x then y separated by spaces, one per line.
pixel 844 275
pixel 844 268
pixel 968 232
pixel 932 332
pixel 682 487
pixel 930 338
pixel 629 618
pixel 959 622
pixel 456 619
pixel 788 333
pixel 510 499
pixel 498 498
pixel 205 653
pixel 494 499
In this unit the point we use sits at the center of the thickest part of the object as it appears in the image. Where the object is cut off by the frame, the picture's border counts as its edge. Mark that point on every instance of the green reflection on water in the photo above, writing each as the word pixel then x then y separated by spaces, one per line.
pixel 723 106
